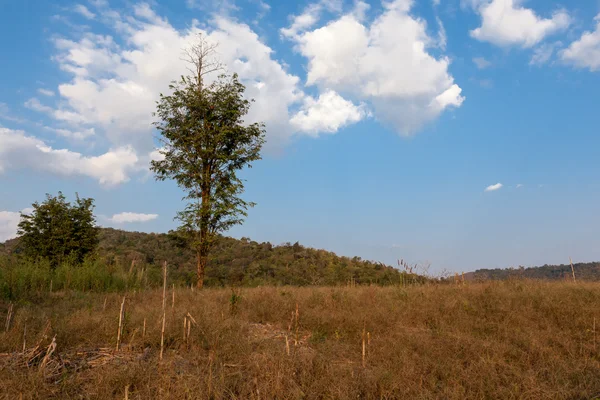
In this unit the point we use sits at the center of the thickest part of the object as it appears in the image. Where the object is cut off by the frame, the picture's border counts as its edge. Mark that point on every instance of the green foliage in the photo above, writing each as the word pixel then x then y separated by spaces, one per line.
pixel 204 144
pixel 133 260
pixel 59 232
pixel 583 271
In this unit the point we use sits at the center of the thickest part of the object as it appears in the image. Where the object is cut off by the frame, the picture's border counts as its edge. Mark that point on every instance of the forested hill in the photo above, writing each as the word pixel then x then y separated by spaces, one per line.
pixel 583 271
pixel 234 261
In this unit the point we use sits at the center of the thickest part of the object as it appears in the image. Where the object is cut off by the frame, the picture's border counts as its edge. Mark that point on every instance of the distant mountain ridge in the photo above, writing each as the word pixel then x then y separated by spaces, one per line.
pixel 585 271
pixel 242 261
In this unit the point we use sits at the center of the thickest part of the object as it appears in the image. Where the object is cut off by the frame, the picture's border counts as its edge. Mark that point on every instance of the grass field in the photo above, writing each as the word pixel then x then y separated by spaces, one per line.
pixel 508 340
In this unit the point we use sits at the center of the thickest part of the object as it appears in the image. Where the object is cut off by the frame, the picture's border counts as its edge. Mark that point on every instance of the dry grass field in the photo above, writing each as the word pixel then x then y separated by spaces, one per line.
pixel 496 340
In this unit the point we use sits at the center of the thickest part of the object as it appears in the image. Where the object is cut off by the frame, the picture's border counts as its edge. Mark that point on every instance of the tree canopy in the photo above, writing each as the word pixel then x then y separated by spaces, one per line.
pixel 58 230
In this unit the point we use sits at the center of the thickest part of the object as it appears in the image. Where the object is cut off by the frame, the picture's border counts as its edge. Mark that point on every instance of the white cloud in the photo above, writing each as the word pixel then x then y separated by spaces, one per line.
pixel 73 134
pixel 46 92
pixel 312 13
pixel 481 63
pixel 507 23
pixel 9 222
pixel 36 105
pixel 492 188
pixel 83 10
pixel 18 151
pixel 543 53
pixel 328 113
pixel 126 217
pixel 115 86
pixel 585 52
pixel 519 185
pixel 8 225
pixel 7 114
pixel 385 63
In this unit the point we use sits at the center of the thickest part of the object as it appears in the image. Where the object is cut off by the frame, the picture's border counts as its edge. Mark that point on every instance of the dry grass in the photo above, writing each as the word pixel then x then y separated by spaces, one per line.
pixel 509 340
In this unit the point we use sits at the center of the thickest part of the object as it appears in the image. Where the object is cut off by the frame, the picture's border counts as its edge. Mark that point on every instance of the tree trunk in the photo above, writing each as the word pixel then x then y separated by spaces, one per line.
pixel 201 260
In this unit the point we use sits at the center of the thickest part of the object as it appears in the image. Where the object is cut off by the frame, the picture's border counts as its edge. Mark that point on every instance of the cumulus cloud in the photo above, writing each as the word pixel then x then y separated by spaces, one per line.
pixel 328 113
pixel 126 217
pixel 493 188
pixel 312 13
pixel 507 23
pixel 8 225
pixel 385 63
pixel 585 52
pixel 73 134
pixel 18 151
pixel 115 83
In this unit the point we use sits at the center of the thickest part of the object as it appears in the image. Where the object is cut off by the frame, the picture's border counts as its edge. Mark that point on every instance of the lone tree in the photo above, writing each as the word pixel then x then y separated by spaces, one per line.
pixel 204 144
pixel 59 231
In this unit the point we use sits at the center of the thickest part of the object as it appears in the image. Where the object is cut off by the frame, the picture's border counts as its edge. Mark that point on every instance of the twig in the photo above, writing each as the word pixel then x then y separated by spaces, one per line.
pixel 572 269
pixel 49 352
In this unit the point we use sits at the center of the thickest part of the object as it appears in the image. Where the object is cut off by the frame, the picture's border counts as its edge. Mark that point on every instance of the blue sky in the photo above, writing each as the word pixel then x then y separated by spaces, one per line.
pixel 460 133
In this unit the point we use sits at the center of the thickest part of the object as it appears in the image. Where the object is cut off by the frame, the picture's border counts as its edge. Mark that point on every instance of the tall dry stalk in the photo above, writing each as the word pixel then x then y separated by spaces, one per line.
pixel 287 345
pixel 121 318
pixel 185 329
pixel 144 330
pixel 9 317
pixel 364 345
pixel 25 337
pixel 594 330
pixel 572 269
pixel 164 306
pixel 297 315
pixel 173 303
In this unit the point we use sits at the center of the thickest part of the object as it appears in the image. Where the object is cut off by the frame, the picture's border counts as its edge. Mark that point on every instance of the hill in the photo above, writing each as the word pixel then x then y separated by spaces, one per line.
pixel 244 262
pixel 583 271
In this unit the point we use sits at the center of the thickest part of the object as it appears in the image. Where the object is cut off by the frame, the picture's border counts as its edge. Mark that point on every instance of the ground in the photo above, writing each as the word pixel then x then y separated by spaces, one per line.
pixel 516 339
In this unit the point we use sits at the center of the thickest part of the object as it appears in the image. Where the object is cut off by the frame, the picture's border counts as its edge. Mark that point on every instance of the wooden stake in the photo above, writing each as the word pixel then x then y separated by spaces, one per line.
pixel 121 317
pixel 572 269
pixel 164 303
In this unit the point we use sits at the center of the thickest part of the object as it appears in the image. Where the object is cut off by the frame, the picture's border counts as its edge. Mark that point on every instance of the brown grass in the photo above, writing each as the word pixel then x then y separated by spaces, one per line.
pixel 509 340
